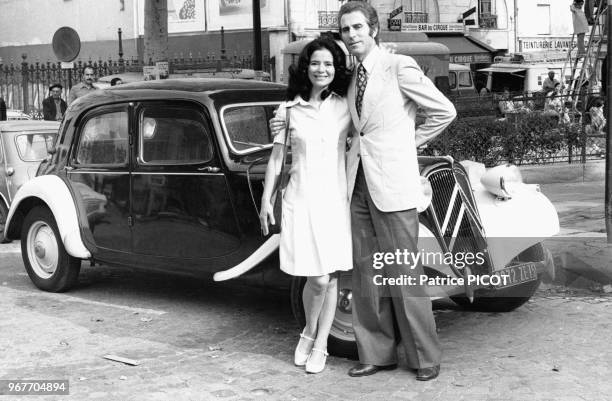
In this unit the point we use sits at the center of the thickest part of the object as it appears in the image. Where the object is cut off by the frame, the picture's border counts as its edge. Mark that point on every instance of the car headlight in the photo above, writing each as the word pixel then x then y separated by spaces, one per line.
pixel 475 171
pixel 502 181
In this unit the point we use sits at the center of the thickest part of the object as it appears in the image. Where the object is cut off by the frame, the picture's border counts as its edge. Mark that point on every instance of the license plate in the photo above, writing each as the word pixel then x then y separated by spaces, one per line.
pixel 517 274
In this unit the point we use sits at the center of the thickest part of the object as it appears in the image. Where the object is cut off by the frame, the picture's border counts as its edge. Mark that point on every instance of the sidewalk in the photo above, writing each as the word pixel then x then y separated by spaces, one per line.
pixel 583 258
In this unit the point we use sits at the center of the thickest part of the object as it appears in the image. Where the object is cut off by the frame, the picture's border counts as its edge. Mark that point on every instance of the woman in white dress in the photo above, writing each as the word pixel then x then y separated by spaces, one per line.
pixel 315 238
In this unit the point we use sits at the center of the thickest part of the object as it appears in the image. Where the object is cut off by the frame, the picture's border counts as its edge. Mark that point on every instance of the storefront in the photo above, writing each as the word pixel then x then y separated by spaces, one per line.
pixel 465 50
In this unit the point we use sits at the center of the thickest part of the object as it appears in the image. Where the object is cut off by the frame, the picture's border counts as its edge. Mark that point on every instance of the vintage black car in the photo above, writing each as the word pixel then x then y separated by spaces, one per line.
pixel 167 175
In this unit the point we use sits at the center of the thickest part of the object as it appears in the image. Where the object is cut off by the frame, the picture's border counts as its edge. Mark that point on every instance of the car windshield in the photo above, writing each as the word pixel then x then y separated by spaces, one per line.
pixel 246 125
pixel 34 146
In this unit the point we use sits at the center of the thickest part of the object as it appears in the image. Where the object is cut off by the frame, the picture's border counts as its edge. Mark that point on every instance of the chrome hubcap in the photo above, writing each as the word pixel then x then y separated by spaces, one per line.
pixel 342 327
pixel 42 249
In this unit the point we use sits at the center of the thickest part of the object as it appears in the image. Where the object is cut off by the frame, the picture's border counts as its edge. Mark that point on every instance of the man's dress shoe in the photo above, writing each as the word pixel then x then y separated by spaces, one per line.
pixel 425 374
pixel 366 370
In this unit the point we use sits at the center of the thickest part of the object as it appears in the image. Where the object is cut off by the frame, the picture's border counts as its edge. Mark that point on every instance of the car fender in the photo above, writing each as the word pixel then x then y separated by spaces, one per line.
pixel 513 225
pixel 51 190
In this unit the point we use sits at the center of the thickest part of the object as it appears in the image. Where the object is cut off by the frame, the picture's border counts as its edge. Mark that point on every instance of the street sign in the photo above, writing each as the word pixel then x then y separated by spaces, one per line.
pixel 66 44
pixel 396 12
pixel 436 27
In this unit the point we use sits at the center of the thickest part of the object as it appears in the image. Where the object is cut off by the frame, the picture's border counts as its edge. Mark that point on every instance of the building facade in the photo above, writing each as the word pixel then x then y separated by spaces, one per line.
pixel 473 30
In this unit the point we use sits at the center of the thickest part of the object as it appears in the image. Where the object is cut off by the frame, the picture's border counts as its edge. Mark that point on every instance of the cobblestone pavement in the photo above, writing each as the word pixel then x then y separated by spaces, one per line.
pixel 197 340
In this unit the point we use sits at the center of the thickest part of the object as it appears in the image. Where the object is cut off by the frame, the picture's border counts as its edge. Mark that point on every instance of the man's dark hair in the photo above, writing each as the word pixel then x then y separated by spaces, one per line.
pixel 115 81
pixel 368 12
pixel 86 67
pixel 299 83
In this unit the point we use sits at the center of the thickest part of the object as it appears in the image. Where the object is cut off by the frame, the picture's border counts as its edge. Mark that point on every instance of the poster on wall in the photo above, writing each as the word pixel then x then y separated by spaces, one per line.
pixel 183 16
pixel 238 14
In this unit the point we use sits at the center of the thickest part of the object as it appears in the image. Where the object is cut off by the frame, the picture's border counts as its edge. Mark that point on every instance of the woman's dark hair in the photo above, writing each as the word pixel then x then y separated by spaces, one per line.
pixel 299 83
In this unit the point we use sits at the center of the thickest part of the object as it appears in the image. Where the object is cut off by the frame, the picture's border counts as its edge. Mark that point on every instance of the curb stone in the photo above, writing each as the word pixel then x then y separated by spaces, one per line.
pixel 564 173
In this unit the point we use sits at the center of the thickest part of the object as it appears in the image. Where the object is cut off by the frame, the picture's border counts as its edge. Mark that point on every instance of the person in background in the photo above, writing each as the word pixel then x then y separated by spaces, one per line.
pixel 598 119
pixel 54 106
pixel 553 106
pixel 84 87
pixel 581 26
pixel 549 83
pixel 506 105
pixel 2 110
pixel 116 81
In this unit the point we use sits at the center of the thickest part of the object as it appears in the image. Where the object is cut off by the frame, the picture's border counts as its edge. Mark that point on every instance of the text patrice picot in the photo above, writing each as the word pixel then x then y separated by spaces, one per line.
pixel 411 260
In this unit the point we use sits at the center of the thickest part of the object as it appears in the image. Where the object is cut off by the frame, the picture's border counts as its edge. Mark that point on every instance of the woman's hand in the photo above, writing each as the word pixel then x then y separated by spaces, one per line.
pixel 266 216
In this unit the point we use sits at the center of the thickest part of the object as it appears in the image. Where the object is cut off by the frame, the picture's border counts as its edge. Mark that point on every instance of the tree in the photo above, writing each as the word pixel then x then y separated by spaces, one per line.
pixel 155 31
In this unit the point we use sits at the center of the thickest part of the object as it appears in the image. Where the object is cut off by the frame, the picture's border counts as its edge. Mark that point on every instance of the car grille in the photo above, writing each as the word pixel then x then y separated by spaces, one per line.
pixel 456 221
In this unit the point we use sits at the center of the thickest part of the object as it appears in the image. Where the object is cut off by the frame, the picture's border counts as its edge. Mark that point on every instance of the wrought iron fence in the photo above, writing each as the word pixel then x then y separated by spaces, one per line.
pixel 24 86
pixel 532 128
pixel 416 17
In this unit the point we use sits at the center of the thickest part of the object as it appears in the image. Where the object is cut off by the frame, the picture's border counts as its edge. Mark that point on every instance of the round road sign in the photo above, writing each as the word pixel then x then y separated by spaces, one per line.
pixel 66 44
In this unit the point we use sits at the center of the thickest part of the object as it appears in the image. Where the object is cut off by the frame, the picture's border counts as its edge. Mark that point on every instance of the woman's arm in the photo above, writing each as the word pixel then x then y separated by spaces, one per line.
pixel 266 213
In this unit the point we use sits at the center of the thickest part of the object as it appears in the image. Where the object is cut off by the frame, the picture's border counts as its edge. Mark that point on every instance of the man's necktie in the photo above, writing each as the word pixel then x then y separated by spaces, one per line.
pixel 362 81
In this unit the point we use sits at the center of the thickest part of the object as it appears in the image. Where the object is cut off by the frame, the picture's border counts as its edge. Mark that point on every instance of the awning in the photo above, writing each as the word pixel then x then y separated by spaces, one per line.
pixel 463 50
pixel 507 70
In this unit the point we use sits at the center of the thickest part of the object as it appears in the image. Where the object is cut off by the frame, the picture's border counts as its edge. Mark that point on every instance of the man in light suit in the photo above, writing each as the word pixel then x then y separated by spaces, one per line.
pixel 384 188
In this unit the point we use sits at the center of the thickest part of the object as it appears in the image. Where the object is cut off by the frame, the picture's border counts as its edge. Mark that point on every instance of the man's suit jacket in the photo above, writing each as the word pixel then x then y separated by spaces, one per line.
pixel 385 139
pixel 49 110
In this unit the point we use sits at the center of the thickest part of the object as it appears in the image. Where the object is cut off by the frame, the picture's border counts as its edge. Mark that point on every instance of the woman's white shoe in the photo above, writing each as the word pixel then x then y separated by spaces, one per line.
pixel 300 358
pixel 313 366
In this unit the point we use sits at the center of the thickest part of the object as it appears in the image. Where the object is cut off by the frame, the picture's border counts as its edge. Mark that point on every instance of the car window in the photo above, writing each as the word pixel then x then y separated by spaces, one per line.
pixel 465 79
pixel 104 140
pixel 174 135
pixel 247 125
pixel 452 80
pixel 34 146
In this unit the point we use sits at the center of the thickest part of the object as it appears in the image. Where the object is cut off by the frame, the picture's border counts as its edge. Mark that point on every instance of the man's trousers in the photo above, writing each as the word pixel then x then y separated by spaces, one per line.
pixel 380 312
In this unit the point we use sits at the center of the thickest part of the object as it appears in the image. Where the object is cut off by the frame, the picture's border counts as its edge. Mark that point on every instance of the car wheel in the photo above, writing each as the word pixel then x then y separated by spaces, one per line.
pixel 3 217
pixel 505 299
pixel 48 264
pixel 341 341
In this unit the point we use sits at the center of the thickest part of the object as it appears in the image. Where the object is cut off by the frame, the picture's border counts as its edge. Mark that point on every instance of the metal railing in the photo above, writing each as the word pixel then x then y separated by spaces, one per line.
pixel 533 128
pixel 419 17
pixel 488 21
pixel 24 85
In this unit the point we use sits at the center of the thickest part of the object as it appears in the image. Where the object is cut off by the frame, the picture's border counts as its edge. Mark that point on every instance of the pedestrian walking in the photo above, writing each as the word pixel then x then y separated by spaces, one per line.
pixel 54 106
pixel 315 237
pixel 384 188
pixel 84 87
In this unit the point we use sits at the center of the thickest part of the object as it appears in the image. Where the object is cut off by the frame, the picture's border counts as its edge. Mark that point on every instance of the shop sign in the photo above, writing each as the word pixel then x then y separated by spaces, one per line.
pixel 473 58
pixel 431 27
pixel 539 44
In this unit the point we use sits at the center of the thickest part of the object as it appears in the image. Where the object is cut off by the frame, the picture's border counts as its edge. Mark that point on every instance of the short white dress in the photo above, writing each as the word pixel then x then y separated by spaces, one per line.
pixel 315 230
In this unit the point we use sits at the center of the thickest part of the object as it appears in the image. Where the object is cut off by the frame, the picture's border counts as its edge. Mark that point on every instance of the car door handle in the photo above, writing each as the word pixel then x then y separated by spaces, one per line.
pixel 209 169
